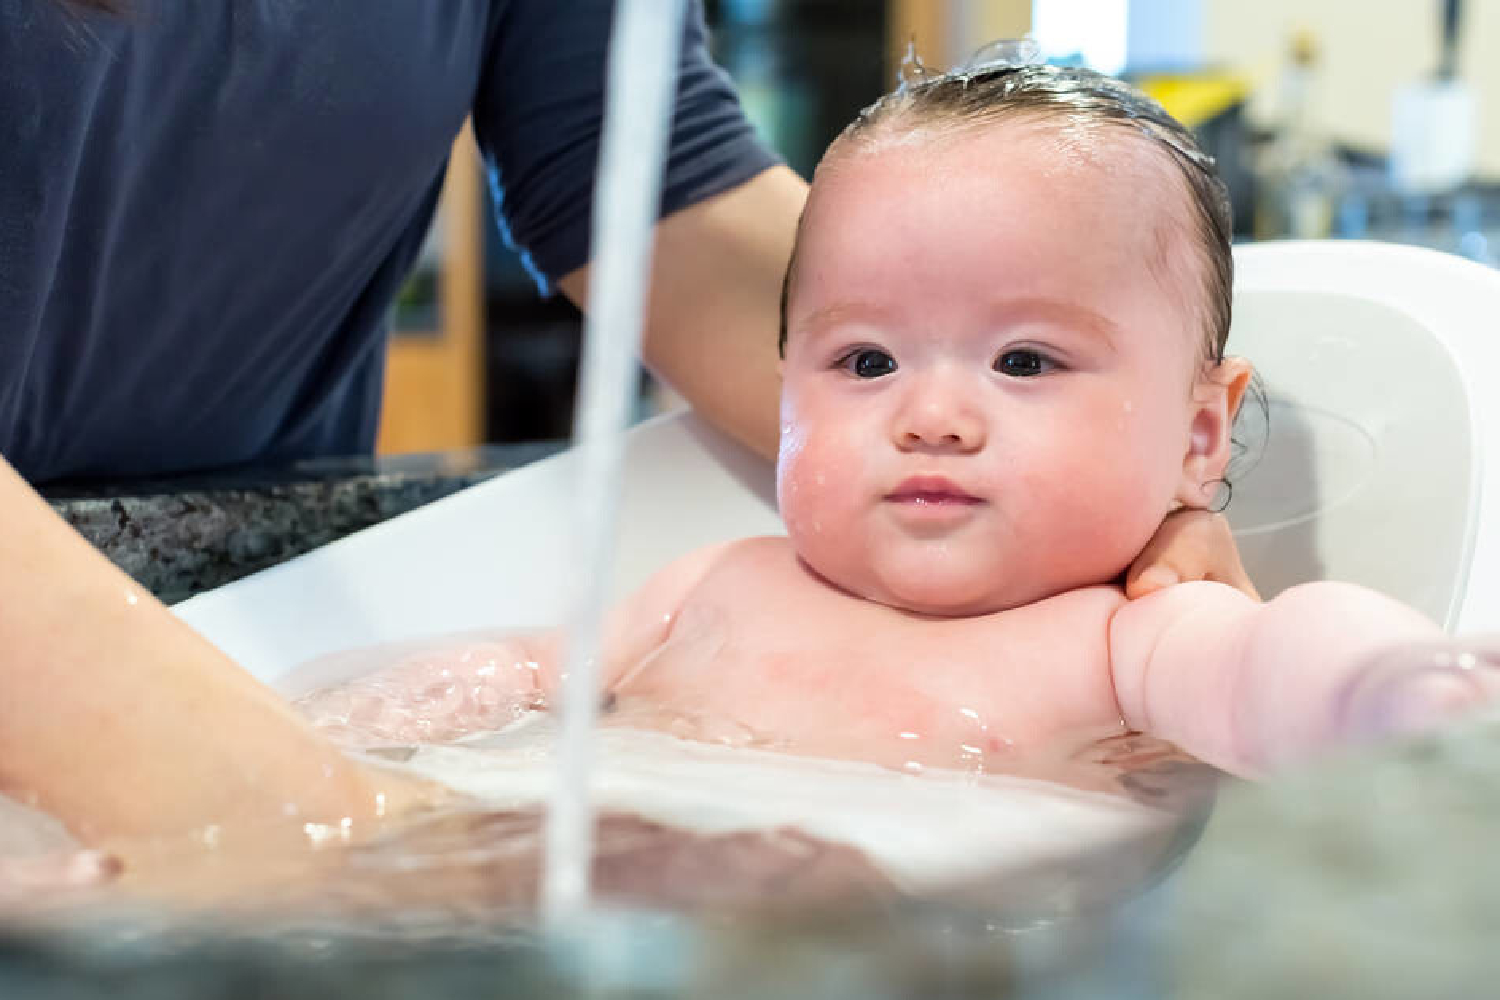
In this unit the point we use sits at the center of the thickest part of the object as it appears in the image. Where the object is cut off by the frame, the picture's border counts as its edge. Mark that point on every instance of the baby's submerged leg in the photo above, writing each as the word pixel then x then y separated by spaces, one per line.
pixel 435 691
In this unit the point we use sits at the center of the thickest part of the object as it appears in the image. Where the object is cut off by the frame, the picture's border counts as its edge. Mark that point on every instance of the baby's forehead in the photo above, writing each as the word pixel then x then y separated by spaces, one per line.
pixel 1112 157
pixel 1128 182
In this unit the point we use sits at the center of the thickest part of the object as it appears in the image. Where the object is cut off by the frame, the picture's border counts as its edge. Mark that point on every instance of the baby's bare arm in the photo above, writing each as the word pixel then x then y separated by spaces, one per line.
pixel 446 689
pixel 1249 686
pixel 429 692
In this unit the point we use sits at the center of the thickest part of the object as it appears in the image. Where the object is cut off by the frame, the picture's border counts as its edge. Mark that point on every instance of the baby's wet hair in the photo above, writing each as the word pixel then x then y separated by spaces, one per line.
pixel 1068 97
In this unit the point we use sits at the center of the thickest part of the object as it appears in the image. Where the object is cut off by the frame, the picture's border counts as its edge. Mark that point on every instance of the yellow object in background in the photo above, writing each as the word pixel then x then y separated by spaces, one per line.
pixel 1195 98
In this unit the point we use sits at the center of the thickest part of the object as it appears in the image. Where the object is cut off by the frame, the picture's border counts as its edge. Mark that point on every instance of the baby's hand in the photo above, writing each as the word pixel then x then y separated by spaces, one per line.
pixel 435 696
pixel 1412 690
pixel 1191 544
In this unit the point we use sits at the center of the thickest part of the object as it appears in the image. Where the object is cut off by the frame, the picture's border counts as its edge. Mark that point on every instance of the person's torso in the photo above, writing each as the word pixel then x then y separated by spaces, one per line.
pixel 765 652
pixel 205 210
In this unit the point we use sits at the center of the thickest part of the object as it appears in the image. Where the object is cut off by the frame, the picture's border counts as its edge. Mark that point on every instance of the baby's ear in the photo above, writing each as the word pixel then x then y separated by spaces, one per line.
pixel 1216 400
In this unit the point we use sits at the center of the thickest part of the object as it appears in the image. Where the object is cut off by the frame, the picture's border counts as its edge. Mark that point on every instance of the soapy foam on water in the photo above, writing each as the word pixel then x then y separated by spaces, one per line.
pixel 942 828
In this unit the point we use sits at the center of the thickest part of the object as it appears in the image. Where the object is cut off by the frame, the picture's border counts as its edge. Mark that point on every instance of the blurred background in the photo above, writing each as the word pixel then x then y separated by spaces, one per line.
pixel 1338 118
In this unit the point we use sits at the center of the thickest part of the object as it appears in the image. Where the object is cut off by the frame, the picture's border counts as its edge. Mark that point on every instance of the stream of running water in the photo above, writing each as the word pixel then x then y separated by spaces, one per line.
pixel 643 56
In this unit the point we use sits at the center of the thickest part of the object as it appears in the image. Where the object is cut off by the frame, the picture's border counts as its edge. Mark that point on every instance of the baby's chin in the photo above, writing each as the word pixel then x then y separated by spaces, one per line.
pixel 943 599
pixel 966 592
pixel 948 607
pixel 967 595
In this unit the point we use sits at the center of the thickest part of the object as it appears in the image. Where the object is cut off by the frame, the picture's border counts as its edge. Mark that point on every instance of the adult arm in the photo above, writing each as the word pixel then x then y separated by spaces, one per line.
pixel 729 210
pixel 1249 687
pixel 714 309
pixel 122 722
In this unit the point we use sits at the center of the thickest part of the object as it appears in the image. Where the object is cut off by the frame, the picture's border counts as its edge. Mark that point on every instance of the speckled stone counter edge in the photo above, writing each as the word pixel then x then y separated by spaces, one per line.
pixel 180 542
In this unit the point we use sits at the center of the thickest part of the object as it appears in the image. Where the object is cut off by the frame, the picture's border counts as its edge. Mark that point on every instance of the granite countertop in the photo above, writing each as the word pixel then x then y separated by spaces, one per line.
pixel 182 535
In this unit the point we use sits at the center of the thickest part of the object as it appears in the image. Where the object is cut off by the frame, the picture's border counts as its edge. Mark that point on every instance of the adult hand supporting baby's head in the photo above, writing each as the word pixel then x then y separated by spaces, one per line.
pixel 1191 544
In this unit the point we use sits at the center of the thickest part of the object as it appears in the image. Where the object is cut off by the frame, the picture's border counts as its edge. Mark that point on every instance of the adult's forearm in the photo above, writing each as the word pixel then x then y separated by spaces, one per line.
pixel 715 299
pixel 120 720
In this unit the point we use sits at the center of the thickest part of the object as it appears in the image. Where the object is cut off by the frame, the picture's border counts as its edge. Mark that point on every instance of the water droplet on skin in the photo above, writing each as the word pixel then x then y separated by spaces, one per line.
pixel 210 835
pixel 317 833
pixel 380 805
pixel 131 598
pixel 912 767
pixel 908 736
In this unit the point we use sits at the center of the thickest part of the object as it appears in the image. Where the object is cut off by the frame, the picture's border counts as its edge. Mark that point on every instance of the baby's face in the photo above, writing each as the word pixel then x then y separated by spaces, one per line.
pixel 990 374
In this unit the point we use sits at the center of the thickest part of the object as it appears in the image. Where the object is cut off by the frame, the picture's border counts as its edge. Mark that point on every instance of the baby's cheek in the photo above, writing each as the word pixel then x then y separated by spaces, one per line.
pixel 1102 512
pixel 814 482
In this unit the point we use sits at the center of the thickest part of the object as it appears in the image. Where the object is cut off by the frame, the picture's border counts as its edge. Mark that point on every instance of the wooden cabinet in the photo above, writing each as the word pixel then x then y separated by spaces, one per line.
pixel 434 378
pixel 946 32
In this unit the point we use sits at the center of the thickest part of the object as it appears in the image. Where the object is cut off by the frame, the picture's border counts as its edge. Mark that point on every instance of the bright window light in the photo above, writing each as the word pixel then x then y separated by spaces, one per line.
pixel 1089 31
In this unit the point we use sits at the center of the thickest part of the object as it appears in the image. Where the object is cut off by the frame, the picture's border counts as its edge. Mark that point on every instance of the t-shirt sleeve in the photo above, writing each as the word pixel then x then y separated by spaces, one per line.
pixel 539 115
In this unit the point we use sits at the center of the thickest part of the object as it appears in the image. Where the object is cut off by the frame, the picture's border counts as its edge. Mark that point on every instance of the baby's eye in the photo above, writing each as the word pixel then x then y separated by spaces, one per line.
pixel 1023 364
pixel 868 362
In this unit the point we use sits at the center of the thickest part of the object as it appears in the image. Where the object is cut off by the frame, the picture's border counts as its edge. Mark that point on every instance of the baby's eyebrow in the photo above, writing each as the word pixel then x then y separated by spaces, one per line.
pixel 1061 312
pixel 1070 315
pixel 839 313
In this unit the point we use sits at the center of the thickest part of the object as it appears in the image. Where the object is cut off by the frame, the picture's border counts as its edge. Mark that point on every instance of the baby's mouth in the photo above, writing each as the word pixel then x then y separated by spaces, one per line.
pixel 932 490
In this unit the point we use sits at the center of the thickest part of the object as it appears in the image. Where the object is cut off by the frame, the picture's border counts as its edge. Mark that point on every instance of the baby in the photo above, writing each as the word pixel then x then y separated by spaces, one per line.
pixel 1003 362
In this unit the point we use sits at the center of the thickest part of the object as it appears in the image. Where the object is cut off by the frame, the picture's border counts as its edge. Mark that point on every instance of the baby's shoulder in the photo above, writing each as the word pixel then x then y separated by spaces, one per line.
pixel 758 555
pixel 743 559
pixel 1074 607
pixel 1069 627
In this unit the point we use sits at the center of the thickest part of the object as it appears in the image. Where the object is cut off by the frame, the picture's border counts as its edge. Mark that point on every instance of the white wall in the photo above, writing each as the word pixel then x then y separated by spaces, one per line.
pixel 1369 47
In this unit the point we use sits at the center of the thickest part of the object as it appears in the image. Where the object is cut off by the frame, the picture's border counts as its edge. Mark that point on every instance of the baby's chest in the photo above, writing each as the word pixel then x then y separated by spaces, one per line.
pixel 797 662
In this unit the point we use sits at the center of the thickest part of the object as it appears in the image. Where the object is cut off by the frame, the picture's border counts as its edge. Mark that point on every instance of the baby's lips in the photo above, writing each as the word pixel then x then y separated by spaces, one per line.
pixel 1415 689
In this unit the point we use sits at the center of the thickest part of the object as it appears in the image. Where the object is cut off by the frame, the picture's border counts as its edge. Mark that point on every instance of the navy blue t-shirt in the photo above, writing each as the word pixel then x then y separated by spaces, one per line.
pixel 207 206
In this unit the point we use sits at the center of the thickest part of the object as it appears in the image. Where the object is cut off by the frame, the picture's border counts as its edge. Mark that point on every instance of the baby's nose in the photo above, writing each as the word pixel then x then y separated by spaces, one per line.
pixel 940 419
